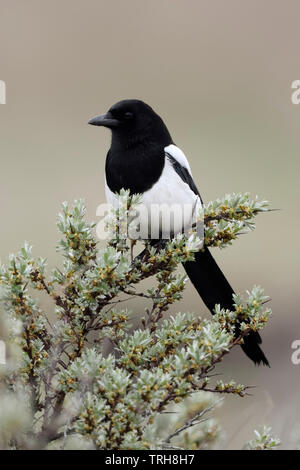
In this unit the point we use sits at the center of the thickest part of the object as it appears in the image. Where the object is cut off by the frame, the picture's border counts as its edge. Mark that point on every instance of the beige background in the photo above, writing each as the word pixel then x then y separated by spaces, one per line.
pixel 220 75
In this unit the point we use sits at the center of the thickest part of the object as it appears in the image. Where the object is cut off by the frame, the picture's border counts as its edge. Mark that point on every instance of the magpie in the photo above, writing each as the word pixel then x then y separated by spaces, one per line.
pixel 144 160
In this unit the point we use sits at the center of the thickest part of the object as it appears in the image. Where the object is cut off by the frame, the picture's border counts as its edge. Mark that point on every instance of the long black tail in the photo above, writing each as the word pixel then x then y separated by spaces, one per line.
pixel 214 288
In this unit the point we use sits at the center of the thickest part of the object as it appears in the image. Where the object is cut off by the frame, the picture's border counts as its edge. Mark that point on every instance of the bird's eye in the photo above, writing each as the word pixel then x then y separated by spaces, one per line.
pixel 128 115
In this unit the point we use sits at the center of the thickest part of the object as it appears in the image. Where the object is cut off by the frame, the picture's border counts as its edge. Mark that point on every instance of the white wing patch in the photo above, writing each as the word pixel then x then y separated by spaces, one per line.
pixel 178 154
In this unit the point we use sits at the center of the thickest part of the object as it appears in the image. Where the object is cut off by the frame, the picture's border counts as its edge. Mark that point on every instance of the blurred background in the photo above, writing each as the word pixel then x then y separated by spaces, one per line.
pixel 220 74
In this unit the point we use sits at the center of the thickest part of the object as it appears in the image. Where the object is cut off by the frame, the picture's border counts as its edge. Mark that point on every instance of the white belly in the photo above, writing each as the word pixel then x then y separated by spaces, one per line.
pixel 169 207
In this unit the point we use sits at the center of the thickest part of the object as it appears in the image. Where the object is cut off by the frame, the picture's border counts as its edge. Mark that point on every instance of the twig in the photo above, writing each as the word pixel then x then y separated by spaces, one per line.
pixel 192 421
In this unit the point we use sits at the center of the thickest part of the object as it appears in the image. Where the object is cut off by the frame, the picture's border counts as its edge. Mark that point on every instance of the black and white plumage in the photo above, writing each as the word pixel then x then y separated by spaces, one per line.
pixel 171 189
pixel 144 159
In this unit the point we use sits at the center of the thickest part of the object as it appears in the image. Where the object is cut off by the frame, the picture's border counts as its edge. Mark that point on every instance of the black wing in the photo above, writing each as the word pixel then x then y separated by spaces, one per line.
pixel 184 174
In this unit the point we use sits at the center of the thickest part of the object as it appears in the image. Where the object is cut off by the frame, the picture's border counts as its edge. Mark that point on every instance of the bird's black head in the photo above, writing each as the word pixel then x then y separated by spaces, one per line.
pixel 133 122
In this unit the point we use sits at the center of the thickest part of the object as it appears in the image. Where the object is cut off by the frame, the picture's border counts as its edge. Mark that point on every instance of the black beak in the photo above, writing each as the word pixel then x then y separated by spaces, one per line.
pixel 106 120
